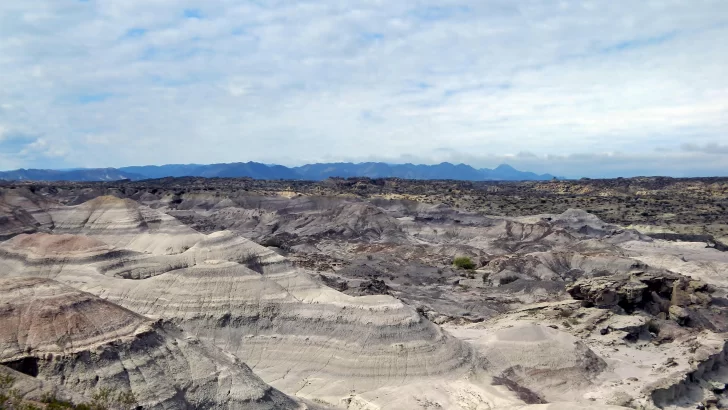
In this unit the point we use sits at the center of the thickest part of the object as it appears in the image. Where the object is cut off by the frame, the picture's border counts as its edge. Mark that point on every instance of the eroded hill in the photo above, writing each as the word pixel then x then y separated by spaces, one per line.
pixel 343 294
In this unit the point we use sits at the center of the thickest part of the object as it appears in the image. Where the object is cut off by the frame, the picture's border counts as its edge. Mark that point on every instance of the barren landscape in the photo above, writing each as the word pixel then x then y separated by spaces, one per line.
pixel 365 293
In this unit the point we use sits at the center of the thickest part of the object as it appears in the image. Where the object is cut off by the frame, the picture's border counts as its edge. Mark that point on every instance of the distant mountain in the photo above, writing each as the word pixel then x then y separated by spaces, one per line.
pixel 87 174
pixel 506 172
pixel 254 170
pixel 237 169
pixel 384 170
pixel 162 171
pixel 314 172
pixel 444 170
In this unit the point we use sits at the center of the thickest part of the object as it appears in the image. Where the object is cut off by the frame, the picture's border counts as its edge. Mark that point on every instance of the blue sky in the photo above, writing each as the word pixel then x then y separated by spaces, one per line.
pixel 574 88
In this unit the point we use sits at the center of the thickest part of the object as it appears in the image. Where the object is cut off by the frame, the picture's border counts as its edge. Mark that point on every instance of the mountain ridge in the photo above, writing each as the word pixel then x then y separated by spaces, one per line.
pixel 256 170
pixel 82 175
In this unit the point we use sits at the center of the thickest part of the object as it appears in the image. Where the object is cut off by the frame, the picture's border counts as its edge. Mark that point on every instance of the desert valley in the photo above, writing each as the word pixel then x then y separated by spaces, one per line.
pixel 364 293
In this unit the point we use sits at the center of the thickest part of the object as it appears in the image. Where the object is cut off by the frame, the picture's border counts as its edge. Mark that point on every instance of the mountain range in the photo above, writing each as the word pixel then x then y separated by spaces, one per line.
pixel 86 174
pixel 256 170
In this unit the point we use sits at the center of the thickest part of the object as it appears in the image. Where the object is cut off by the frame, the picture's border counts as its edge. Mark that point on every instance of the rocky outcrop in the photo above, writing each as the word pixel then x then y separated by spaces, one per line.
pixel 43 317
pixel 563 265
pixel 373 287
pixel 707 367
pixel 544 359
pixel 710 240
pixel 664 295
pixel 300 336
pixel 610 292
pixel 21 211
pixel 124 223
pixel 75 340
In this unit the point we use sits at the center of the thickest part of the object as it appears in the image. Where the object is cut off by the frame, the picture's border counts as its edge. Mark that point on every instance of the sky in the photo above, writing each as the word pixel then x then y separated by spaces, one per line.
pixel 573 88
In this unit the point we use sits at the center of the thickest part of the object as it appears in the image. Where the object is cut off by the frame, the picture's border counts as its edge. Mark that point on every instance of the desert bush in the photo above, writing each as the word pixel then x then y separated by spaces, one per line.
pixel 125 400
pixel 6 395
pixel 252 261
pixel 53 403
pixel 451 234
pixel 108 399
pixel 6 381
pixel 103 399
pixel 463 262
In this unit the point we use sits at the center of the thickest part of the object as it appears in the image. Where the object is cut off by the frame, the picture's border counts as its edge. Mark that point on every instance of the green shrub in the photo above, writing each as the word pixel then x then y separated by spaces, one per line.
pixel 103 399
pixel 252 261
pixel 6 381
pixel 52 403
pixel 126 400
pixel 463 262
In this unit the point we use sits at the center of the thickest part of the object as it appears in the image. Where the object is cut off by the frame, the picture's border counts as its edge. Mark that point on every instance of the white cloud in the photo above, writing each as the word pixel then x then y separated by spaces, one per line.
pixel 96 139
pixel 710 148
pixel 293 82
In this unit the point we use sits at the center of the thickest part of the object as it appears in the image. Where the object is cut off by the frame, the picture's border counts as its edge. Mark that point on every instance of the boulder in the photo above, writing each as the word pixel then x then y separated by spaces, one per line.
pixel 659 294
pixel 608 292
pixel 679 314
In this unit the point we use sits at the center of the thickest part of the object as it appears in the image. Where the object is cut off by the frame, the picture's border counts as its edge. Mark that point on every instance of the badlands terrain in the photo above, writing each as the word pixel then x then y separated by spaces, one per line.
pixel 195 293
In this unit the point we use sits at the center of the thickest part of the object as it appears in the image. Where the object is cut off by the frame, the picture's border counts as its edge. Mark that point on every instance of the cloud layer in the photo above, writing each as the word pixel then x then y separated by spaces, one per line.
pixel 575 88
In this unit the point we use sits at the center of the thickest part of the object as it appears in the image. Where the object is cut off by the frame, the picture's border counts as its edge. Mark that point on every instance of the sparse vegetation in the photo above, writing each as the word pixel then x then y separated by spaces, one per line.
pixel 463 262
pixel 6 382
pixel 103 399
pixel 251 261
